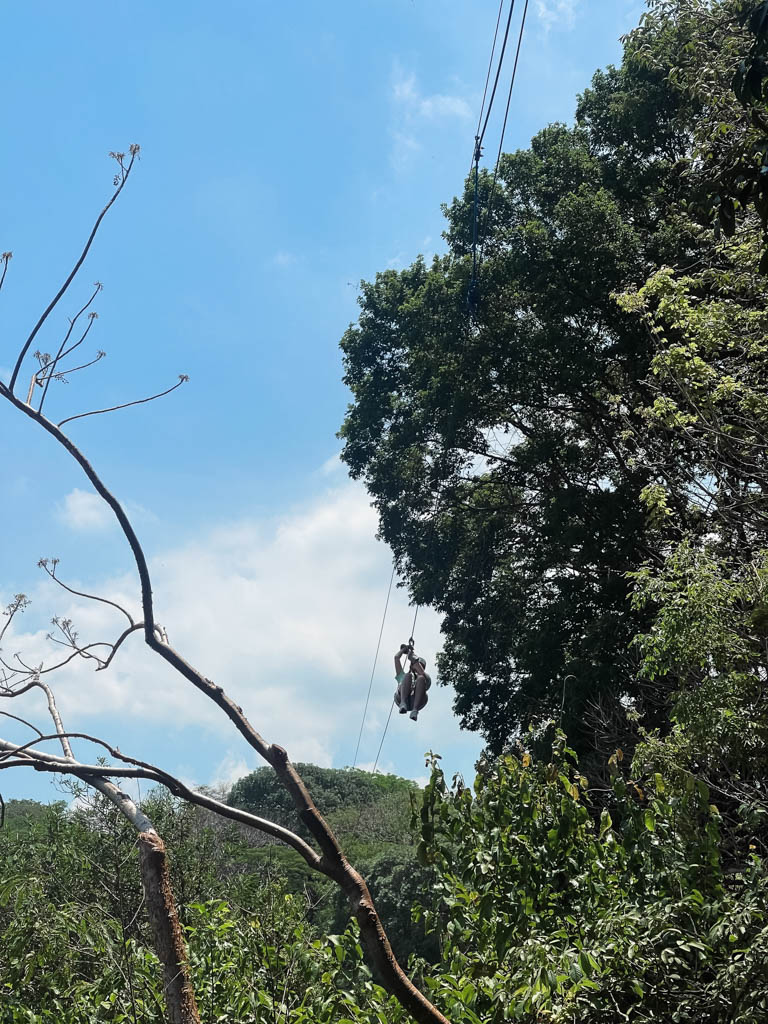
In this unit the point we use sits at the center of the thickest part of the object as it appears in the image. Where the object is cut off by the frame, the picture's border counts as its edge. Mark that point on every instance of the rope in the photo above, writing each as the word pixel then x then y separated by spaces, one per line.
pixel 375 659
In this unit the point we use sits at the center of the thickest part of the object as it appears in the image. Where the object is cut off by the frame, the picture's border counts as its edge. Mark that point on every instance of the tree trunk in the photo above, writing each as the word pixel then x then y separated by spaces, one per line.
pixel 169 942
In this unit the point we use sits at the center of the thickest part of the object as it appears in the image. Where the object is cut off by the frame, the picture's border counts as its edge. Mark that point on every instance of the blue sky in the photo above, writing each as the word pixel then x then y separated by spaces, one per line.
pixel 287 153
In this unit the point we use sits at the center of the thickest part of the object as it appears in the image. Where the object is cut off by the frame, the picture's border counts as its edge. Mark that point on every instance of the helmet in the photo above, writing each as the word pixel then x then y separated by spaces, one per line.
pixel 422 662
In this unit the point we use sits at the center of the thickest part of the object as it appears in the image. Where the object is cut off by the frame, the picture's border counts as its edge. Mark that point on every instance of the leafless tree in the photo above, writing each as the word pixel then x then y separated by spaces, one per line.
pixel 18 677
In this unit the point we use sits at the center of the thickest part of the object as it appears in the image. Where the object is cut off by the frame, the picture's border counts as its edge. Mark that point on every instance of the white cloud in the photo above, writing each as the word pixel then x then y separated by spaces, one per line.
pixel 406 92
pixel 560 13
pixel 397 261
pixel 283 258
pixel 332 466
pixel 415 111
pixel 284 613
pixel 229 770
pixel 85 510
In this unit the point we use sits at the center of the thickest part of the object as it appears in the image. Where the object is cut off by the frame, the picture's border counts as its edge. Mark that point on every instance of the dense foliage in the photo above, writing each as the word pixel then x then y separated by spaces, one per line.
pixel 510 454
pixel 491 446
pixel 75 944
pixel 550 912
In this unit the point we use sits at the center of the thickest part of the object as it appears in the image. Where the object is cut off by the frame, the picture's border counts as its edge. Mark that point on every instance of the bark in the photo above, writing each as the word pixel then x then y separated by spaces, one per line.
pixel 335 865
pixel 169 941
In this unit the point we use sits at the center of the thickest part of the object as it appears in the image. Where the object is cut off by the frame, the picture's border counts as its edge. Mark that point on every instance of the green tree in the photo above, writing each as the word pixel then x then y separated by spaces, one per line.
pixel 550 912
pixel 716 53
pixel 491 445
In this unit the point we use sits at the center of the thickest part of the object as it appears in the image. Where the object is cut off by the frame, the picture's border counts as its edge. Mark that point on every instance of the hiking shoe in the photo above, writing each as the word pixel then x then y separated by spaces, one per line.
pixel 414 715
pixel 403 709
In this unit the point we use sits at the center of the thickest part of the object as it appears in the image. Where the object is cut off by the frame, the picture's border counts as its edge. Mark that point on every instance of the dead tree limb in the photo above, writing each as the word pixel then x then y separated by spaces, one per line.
pixel 164 920
pixel 331 861
pixel 153 861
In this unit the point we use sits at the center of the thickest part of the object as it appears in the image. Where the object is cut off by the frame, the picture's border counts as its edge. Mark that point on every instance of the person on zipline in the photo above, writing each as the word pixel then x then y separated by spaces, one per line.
pixel 412 686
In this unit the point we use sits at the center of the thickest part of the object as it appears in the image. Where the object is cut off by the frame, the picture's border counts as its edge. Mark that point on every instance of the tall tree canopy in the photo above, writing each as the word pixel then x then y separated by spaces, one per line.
pixel 494 446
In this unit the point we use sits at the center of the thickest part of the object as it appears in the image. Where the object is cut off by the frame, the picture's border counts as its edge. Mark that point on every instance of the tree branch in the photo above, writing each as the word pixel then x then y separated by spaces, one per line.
pixel 120 181
pixel 43 564
pixel 183 378
pixel 5 259
pixel 62 352
pixel 332 861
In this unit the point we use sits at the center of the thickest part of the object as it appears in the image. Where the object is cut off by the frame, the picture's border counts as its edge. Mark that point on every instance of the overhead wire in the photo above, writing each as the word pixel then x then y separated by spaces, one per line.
pixel 476 262
pixel 503 129
pixel 480 136
pixel 383 737
pixel 490 65
pixel 413 625
pixel 392 705
pixel 373 670
pixel 478 152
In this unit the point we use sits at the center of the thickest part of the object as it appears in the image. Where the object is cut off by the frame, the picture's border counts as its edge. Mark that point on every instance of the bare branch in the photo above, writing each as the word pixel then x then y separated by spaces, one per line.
pixel 120 181
pixel 98 286
pixel 18 604
pixel 29 725
pixel 44 563
pixel 183 378
pixel 80 340
pixel 62 347
pixel 43 761
pixel 78 652
pixel 61 374
pixel 117 643
pixel 331 861
pixel 53 711
pixel 5 259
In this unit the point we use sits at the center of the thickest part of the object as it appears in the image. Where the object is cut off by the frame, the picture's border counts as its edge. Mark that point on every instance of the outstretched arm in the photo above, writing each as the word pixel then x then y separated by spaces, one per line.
pixel 399 658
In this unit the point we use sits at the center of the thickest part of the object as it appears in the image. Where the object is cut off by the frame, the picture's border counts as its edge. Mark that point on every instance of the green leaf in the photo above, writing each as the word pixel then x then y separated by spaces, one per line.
pixel 605 822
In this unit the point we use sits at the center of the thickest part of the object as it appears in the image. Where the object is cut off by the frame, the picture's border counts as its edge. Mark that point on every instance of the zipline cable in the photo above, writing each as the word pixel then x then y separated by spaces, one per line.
pixel 383 737
pixel 392 705
pixel 503 129
pixel 490 65
pixel 479 137
pixel 413 626
pixel 472 289
pixel 373 670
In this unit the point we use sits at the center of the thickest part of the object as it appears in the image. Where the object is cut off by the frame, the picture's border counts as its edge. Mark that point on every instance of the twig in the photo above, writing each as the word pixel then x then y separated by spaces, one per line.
pixel 61 374
pixel 98 286
pixel 117 643
pixel 62 352
pixel 5 259
pixel 120 181
pixel 19 603
pixel 183 378
pixel 29 725
pixel 43 564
